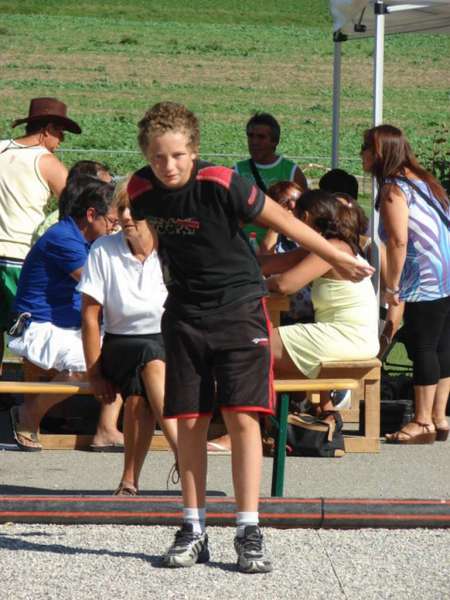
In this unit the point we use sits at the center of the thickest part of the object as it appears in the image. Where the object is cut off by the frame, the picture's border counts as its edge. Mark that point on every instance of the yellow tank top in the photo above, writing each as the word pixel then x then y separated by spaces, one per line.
pixel 337 301
pixel 23 196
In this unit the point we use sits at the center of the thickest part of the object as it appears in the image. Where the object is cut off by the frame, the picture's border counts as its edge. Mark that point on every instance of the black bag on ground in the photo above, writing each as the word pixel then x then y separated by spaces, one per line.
pixel 396 405
pixel 313 436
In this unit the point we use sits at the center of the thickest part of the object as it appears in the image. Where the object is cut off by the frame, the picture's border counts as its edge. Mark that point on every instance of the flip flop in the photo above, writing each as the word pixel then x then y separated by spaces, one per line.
pixel 116 447
pixel 215 448
pixel 22 435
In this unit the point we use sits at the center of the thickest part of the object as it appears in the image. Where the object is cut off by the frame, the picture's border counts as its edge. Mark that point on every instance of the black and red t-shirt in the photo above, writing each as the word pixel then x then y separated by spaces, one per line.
pixel 209 259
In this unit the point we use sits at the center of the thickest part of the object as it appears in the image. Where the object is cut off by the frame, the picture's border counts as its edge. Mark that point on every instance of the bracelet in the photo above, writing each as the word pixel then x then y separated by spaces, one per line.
pixel 391 291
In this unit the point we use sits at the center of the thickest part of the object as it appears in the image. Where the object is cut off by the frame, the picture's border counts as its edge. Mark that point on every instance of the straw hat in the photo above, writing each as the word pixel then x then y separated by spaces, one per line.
pixel 50 109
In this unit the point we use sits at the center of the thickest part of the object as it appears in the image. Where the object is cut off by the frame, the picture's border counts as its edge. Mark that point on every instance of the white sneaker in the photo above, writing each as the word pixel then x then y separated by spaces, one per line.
pixel 251 551
pixel 187 549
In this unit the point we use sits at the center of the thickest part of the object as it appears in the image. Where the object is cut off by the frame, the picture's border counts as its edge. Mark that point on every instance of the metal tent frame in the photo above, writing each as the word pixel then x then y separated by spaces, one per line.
pixel 355 19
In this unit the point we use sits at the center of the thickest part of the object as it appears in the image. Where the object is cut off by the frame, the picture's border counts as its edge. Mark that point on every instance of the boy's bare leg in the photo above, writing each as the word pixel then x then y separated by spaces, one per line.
pixel 192 460
pixel 246 458
pixel 153 376
pixel 138 427
pixel 191 541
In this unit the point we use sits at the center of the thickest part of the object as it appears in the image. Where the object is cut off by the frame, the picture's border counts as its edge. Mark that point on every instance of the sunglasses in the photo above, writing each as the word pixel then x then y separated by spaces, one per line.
pixel 365 147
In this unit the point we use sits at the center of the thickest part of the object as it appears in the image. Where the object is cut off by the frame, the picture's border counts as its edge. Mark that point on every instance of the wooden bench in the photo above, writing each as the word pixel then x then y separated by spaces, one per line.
pixel 362 378
pixel 69 441
pixel 283 388
pixel 65 441
pixel 368 374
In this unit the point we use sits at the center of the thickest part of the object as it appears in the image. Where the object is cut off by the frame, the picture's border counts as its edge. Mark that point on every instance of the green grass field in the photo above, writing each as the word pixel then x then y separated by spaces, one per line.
pixel 109 62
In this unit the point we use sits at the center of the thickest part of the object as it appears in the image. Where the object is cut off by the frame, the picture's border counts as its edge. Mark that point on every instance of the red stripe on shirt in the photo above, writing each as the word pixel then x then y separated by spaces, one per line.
pixel 137 186
pixel 252 197
pixel 220 175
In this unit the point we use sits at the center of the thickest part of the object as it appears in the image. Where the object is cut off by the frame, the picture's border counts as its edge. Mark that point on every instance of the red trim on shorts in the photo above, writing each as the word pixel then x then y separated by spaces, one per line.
pixel 272 394
pixel 190 415
pixel 243 409
pixel 220 175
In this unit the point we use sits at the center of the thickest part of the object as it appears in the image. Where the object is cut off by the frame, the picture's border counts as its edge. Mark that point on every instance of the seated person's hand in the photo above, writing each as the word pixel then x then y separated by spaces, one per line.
pixel 103 389
pixel 353 269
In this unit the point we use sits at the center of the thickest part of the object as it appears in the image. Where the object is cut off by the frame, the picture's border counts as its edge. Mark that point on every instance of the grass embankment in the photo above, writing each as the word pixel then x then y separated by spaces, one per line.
pixel 223 63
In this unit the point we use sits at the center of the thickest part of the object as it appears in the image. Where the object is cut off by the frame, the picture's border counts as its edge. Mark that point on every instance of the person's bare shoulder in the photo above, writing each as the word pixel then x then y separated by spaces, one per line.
pixel 54 173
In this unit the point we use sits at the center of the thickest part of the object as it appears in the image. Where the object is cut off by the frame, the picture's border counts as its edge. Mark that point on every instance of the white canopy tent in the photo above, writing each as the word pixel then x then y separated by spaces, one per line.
pixel 374 18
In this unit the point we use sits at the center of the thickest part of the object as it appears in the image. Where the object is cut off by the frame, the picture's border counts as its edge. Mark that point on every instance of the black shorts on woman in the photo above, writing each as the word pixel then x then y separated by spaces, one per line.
pixel 124 356
pixel 215 327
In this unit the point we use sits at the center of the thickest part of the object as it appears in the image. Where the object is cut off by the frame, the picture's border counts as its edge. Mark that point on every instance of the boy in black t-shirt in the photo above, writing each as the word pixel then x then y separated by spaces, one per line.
pixel 215 327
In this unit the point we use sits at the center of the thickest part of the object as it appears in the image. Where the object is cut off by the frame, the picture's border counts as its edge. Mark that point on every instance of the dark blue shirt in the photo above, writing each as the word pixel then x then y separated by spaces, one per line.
pixel 46 289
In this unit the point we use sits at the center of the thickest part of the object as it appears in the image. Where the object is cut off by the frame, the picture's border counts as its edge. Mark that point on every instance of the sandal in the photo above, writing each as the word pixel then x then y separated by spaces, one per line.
pixel 126 489
pixel 424 437
pixel 441 432
pixel 22 435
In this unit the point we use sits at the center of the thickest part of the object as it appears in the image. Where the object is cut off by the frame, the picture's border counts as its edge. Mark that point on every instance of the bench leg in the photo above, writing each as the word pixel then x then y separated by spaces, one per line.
pixel 279 458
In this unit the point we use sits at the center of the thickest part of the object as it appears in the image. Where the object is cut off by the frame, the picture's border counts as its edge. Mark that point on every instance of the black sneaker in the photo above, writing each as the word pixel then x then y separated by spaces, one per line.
pixel 251 551
pixel 187 549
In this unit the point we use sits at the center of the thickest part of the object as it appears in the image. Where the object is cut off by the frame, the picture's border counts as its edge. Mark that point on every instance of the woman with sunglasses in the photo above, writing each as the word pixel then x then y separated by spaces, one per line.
pixel 415 227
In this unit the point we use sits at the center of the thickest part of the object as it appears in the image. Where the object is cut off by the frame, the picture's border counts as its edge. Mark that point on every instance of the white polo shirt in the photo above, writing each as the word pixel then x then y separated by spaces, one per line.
pixel 132 293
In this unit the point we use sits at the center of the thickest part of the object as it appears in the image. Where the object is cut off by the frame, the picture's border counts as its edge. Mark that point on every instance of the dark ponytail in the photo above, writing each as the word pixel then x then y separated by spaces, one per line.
pixel 332 218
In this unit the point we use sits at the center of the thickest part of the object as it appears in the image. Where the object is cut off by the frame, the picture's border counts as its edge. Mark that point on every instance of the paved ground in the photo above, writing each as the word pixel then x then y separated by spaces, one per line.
pixel 104 561
pixel 397 472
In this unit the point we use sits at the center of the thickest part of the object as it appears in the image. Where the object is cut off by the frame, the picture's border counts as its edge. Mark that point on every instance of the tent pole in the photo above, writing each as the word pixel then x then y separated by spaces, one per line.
pixel 378 70
pixel 379 9
pixel 336 104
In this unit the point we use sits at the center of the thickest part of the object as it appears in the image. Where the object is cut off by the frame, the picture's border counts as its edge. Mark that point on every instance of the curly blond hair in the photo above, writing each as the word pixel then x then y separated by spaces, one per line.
pixel 168 116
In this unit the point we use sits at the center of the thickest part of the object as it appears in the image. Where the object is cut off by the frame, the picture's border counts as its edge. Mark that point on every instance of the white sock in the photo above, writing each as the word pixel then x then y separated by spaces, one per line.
pixel 197 517
pixel 243 519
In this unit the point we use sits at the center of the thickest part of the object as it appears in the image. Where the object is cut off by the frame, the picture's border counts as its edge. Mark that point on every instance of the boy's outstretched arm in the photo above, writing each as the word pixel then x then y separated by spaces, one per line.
pixel 273 216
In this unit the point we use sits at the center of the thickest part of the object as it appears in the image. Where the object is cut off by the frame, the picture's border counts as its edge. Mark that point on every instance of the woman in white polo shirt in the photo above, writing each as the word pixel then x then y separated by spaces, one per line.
pixel 122 283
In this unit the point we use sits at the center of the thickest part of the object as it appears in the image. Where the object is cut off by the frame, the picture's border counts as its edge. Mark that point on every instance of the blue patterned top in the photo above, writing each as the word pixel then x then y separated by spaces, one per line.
pixel 426 273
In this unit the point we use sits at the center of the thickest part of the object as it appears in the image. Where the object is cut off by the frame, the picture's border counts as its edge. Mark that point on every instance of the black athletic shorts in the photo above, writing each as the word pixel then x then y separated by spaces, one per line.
pixel 124 356
pixel 223 357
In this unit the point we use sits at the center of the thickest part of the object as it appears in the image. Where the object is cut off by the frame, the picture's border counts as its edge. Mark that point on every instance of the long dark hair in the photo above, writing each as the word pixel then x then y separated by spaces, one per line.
pixel 392 155
pixel 330 217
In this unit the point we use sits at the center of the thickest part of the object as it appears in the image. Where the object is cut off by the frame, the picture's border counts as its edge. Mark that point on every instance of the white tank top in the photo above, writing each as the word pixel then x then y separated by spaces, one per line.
pixel 23 196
